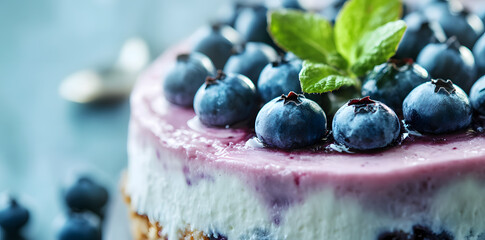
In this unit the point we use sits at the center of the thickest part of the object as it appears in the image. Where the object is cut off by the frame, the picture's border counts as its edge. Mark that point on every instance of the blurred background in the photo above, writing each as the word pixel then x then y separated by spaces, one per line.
pixel 45 140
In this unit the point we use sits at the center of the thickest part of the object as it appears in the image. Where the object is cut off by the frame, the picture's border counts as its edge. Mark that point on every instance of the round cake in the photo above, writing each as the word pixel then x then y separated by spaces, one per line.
pixel 189 181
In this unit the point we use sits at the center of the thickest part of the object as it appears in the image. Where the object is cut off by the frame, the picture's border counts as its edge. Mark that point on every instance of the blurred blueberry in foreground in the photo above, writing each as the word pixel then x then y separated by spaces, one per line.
pixel 80 226
pixel 13 217
pixel 86 195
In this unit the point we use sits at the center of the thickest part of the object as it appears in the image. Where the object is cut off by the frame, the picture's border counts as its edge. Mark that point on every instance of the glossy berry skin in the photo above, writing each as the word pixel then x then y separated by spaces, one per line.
pixel 419 33
pixel 391 82
pixel 477 96
pixel 479 53
pixel 217 43
pixel 291 121
pixel 365 124
pixel 86 195
pixel 278 78
pixel 436 107
pixel 80 227
pixel 252 24
pixel 225 100
pixel 467 27
pixel 185 77
pixel 449 60
pixel 251 60
pixel 13 217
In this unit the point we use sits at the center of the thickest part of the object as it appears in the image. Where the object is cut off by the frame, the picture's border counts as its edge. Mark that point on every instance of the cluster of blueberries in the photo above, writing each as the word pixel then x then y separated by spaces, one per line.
pixel 426 83
pixel 86 201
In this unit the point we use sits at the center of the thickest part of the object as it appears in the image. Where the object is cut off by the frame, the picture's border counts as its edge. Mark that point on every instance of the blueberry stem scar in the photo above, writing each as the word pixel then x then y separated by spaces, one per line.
pixel 291 97
pixel 212 80
pixel 445 85
pixel 363 101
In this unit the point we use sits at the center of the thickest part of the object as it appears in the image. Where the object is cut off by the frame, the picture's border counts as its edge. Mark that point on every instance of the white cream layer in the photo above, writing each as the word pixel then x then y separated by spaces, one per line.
pixel 226 204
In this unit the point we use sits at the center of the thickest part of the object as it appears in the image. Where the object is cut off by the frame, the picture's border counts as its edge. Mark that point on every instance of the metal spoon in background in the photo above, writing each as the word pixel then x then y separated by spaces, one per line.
pixel 113 83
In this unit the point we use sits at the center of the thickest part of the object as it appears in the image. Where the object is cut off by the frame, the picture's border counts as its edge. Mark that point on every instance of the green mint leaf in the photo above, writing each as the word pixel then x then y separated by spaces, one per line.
pixel 378 46
pixel 359 17
pixel 319 77
pixel 307 35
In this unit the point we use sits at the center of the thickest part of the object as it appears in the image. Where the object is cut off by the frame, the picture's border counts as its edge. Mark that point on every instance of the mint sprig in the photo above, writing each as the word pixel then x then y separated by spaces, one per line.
pixel 366 33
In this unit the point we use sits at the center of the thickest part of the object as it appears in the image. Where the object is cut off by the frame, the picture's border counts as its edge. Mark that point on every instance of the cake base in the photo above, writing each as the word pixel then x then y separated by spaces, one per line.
pixel 144 229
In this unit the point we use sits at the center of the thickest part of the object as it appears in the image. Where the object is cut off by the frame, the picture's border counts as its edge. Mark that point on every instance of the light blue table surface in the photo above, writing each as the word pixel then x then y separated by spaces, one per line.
pixel 45 140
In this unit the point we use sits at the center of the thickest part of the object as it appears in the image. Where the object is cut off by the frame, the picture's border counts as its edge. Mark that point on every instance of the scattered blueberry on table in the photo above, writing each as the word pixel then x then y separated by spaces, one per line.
pixel 13 217
pixel 80 226
pixel 86 195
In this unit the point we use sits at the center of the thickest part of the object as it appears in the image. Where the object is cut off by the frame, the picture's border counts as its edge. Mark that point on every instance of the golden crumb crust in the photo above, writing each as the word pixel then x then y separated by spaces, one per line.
pixel 144 229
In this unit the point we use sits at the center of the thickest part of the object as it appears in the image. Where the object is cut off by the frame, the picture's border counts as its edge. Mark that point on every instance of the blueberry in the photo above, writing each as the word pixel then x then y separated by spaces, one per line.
pixel 365 124
pixel 86 195
pixel 13 217
pixel 80 227
pixel 292 4
pixel 477 96
pixel 419 232
pixel 479 53
pixel 481 15
pixel 290 121
pixel 251 60
pixel 183 80
pixel 290 56
pixel 391 82
pixel 449 60
pixel 436 9
pixel 419 33
pixel 217 43
pixel 252 24
pixel 225 100
pixel 437 106
pixel 456 21
pixel 217 236
pixel 278 78
pixel 425 233
pixel 281 77
pixel 331 12
pixel 395 235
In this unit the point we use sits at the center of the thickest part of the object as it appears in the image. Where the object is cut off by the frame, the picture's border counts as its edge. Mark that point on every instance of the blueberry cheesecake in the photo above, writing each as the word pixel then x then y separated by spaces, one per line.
pixel 253 156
